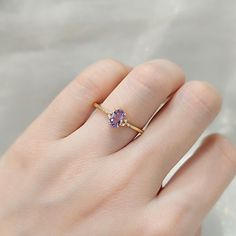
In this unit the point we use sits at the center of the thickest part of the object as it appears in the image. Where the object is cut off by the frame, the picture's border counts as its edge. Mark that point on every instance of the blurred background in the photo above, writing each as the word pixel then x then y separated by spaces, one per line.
pixel 44 44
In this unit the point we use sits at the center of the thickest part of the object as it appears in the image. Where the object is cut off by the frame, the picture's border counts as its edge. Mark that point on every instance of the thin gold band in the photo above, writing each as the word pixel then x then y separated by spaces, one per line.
pixel 125 123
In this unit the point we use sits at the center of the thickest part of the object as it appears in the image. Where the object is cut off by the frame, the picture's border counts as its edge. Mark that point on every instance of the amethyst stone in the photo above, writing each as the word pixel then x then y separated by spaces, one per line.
pixel 116 118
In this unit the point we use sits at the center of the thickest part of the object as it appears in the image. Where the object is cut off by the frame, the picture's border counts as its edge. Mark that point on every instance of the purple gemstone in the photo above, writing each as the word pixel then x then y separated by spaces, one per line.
pixel 116 118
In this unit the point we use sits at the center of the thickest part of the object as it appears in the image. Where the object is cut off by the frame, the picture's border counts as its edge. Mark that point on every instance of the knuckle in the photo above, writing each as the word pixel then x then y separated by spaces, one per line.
pixel 203 96
pixel 88 78
pixel 109 64
pixel 224 147
pixel 172 68
pixel 149 77
pixel 159 75
pixel 157 68
pixel 86 81
pixel 148 69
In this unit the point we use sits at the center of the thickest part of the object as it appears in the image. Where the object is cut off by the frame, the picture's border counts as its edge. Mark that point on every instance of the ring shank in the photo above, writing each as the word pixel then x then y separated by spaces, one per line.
pixel 99 107
pixel 134 128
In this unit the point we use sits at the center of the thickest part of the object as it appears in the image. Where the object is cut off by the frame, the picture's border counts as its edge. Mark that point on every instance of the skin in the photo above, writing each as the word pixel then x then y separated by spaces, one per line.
pixel 71 174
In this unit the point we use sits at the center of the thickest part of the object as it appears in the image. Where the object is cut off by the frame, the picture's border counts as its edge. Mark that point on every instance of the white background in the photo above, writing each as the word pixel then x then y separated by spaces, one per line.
pixel 44 44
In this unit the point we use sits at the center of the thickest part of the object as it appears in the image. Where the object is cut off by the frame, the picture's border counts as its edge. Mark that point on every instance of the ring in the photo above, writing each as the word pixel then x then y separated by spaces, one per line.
pixel 117 118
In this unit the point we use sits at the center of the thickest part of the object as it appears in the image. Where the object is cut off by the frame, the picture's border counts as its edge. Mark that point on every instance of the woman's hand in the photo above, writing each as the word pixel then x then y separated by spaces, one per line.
pixel 72 174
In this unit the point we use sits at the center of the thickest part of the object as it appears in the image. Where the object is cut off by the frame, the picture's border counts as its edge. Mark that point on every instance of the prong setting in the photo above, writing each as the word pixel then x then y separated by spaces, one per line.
pixel 117 118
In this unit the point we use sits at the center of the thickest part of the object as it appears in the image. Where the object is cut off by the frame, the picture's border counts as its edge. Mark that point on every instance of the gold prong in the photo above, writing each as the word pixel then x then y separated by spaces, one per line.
pixel 124 122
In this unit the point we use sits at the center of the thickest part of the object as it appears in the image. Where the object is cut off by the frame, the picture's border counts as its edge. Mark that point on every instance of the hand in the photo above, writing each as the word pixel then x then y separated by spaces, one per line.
pixel 72 174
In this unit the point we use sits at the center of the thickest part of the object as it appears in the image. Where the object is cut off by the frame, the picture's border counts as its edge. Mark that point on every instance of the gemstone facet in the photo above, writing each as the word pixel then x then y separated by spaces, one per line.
pixel 116 118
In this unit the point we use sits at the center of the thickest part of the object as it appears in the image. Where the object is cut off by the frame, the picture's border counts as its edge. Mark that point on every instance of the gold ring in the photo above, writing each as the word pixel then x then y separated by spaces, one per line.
pixel 117 118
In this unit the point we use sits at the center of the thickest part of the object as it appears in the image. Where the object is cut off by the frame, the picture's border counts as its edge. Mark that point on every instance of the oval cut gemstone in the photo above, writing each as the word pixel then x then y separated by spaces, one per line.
pixel 116 118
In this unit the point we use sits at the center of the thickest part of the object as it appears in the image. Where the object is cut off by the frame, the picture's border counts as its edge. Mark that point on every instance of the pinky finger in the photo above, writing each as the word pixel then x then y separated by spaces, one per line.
pixel 195 188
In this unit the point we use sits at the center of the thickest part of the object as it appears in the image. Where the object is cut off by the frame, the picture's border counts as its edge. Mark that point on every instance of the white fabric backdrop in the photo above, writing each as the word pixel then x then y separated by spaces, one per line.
pixel 44 44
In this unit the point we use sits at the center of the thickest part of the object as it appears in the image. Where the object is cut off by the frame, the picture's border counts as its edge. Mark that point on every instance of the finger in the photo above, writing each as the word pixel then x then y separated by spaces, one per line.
pixel 195 188
pixel 172 132
pixel 144 89
pixel 73 105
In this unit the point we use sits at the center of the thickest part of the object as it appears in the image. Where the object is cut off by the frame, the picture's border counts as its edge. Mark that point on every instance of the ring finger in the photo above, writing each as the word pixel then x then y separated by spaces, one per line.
pixel 140 94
